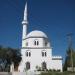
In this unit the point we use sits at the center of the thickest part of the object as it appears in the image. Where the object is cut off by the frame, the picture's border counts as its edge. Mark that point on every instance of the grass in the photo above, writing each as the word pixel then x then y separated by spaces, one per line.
pixel 58 73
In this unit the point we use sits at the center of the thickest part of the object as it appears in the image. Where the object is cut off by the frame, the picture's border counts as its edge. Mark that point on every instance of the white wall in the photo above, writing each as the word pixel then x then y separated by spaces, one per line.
pixel 36 58
pixel 56 65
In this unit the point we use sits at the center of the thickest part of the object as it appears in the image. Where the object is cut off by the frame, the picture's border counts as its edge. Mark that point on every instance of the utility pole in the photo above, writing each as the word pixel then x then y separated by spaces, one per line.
pixel 70 47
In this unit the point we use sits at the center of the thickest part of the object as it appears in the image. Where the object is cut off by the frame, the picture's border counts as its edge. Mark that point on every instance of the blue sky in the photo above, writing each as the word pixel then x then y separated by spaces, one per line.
pixel 54 17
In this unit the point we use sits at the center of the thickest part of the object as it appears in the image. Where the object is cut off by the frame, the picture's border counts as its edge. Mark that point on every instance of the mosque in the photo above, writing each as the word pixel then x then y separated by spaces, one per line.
pixel 36 50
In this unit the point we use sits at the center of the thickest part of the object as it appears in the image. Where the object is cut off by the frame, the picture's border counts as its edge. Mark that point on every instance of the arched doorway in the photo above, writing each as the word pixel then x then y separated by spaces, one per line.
pixel 44 66
pixel 27 65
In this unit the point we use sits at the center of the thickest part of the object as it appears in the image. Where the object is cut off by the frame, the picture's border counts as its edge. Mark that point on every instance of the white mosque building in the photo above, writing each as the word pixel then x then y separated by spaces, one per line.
pixel 36 50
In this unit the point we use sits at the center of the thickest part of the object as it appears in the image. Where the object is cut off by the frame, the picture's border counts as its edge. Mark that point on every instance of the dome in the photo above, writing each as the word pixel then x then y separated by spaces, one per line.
pixel 36 33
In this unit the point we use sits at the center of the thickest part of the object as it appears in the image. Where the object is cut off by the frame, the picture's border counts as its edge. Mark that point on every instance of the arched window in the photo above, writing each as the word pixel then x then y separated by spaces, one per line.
pixel 46 43
pixel 27 65
pixel 36 42
pixel 44 66
pixel 44 53
pixel 28 53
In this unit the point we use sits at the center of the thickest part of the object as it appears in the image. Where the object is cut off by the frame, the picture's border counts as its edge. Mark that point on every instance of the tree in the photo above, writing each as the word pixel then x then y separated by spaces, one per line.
pixel 7 56
pixel 68 62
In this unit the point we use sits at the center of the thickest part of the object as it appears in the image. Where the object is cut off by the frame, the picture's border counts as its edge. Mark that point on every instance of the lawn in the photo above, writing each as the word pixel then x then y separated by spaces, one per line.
pixel 58 73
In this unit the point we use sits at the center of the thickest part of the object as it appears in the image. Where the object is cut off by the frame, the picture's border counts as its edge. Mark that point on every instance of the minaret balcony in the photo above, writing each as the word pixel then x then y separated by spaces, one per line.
pixel 25 22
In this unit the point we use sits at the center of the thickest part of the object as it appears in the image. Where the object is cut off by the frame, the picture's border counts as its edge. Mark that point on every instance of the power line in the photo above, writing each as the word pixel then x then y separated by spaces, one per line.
pixel 18 9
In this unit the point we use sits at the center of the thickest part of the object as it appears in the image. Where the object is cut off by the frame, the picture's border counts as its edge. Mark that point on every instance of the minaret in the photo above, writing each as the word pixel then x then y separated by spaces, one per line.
pixel 24 23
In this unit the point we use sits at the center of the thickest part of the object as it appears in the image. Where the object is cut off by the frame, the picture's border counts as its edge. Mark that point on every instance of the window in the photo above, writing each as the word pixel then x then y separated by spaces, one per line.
pixel 28 53
pixel 45 43
pixel 27 65
pixel 36 42
pixel 44 54
pixel 26 43
pixel 44 66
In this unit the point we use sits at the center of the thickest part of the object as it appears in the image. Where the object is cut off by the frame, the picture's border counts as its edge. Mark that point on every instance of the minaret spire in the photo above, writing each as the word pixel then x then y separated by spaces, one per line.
pixel 25 24
pixel 25 19
pixel 25 12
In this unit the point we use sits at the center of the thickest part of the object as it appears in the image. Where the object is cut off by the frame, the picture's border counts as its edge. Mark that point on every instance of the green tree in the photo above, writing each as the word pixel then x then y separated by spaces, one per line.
pixel 7 56
pixel 70 55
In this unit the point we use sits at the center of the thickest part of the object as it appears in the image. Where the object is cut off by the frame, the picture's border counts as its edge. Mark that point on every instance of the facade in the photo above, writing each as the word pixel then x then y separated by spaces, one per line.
pixel 36 50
